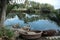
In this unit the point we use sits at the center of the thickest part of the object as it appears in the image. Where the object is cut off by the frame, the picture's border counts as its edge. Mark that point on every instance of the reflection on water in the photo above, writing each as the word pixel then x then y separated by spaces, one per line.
pixel 43 25
pixel 36 25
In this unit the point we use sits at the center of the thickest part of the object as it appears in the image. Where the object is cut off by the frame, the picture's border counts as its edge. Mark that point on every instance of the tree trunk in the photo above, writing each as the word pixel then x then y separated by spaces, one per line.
pixel 3 13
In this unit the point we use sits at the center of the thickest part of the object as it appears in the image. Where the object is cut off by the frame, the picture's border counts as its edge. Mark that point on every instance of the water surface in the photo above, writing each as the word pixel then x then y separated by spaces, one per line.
pixel 35 25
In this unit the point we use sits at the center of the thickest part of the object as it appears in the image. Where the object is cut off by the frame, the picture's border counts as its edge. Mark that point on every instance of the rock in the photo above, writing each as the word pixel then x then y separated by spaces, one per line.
pixel 49 32
pixel 22 30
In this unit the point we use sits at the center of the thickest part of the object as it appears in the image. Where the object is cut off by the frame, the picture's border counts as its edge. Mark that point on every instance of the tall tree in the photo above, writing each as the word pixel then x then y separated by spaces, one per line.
pixel 3 8
pixel 3 11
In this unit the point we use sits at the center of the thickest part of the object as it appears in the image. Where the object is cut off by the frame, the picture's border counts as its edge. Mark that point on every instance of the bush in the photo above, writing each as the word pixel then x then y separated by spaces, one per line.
pixel 9 33
pixel 6 32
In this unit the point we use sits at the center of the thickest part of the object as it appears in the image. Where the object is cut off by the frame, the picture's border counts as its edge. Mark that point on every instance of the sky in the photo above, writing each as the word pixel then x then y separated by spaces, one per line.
pixel 55 3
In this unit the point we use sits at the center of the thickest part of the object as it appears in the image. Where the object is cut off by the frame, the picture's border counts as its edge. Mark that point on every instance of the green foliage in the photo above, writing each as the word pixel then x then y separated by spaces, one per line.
pixel 55 16
pixel 9 33
pixel 34 4
pixel 43 10
pixel 6 32
pixel 11 15
pixel 35 9
pixel 21 15
pixel 47 8
pixel 1 33
pixel 26 3
pixel 9 8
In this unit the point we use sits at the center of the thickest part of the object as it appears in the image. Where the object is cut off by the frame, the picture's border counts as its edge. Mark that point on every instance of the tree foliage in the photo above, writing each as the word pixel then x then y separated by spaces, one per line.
pixel 45 11
pixel 55 17
pixel 34 8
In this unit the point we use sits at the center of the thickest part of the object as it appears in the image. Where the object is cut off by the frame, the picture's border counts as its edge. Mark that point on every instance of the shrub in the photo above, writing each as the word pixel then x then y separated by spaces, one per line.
pixel 6 32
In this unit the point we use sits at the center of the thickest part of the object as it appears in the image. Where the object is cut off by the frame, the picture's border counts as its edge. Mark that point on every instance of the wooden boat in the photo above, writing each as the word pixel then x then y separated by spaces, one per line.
pixel 31 34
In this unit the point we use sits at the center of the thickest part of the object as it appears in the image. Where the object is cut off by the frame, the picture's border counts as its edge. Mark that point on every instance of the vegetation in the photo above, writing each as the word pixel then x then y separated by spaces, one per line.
pixel 55 17
pixel 6 33
pixel 3 8
pixel 45 11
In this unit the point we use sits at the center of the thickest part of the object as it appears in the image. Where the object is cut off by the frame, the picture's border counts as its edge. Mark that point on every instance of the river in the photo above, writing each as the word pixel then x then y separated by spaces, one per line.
pixel 35 25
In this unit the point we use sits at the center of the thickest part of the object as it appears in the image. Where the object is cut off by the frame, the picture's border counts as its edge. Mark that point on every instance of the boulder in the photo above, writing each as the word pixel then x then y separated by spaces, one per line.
pixel 49 32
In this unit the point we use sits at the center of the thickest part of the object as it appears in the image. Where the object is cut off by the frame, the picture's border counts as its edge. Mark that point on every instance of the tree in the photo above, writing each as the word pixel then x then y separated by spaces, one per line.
pixel 55 17
pixel 37 9
pixel 46 8
pixel 35 5
pixel 26 3
pixel 3 11
pixel 3 8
